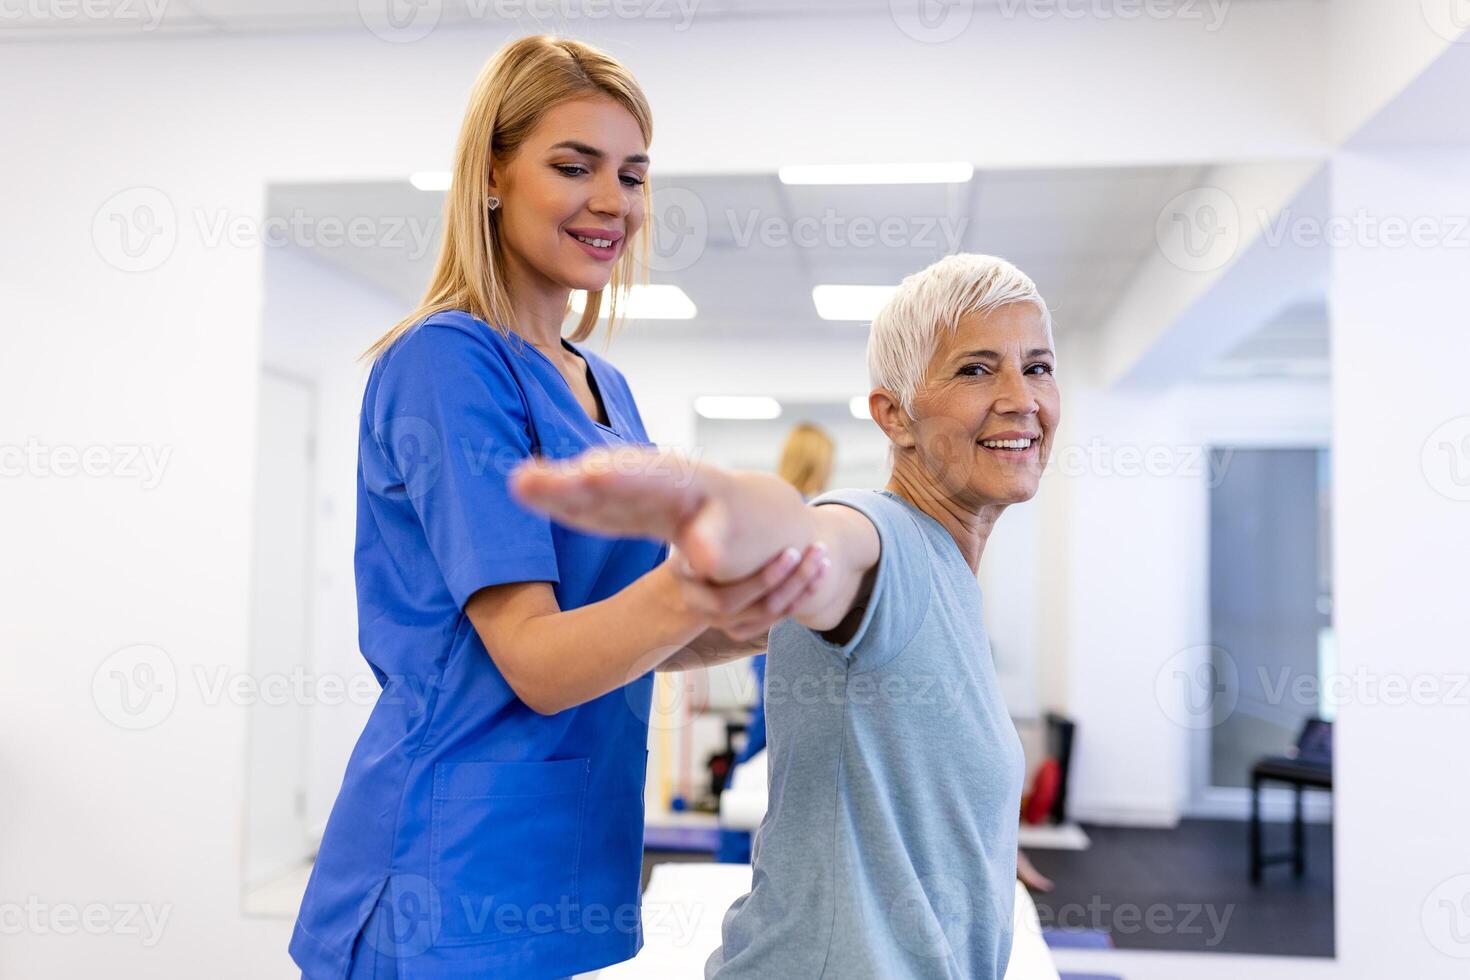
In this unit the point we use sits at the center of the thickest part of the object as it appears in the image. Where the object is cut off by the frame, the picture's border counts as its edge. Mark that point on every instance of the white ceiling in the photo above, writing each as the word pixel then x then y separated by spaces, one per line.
pixel 1295 344
pixel 141 19
pixel 250 16
pixel 1081 234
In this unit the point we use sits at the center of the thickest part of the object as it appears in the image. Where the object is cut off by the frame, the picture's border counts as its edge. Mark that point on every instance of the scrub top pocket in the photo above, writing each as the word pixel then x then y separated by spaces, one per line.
pixel 506 848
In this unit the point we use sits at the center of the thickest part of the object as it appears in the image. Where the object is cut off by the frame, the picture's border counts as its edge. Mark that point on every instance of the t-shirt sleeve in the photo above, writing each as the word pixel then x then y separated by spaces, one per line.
pixel 901 589
pixel 452 424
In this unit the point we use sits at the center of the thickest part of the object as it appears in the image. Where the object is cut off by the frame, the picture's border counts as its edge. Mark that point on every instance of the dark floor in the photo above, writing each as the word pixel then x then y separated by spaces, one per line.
pixel 1189 889
pixel 1182 889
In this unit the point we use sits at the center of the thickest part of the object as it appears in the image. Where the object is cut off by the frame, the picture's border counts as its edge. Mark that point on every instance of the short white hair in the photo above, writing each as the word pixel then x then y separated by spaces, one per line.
pixel 931 303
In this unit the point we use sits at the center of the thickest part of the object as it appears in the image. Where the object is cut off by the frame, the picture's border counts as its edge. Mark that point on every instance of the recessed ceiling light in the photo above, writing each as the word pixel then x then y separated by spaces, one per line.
pixel 431 180
pixel 860 303
pixel 877 173
pixel 654 301
pixel 743 407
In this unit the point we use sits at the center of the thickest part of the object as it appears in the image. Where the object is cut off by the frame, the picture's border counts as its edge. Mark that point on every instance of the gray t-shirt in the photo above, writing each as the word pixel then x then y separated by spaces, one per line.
pixel 889 847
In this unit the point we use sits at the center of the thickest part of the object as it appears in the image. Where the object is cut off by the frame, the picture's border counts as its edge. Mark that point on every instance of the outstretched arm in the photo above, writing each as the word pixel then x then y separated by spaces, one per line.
pixel 727 524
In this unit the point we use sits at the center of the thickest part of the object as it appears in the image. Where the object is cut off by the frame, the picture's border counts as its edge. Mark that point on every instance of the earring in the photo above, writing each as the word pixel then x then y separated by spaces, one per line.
pixel 493 202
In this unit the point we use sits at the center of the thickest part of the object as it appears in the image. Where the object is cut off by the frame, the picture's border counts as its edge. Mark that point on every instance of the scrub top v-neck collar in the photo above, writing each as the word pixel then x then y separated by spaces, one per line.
pixel 599 389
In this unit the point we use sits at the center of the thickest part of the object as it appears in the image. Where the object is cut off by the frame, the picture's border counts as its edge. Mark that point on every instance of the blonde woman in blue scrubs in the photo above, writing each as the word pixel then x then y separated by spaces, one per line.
pixel 490 822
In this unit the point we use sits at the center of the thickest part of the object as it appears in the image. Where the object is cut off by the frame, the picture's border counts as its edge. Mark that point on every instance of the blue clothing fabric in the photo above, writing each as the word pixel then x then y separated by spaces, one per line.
pixel 889 847
pixel 755 735
pixel 372 959
pixel 500 842
pixel 734 847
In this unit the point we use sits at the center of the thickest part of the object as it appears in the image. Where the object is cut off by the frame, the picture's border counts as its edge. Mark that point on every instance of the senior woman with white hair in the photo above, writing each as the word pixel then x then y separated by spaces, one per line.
pixel 889 848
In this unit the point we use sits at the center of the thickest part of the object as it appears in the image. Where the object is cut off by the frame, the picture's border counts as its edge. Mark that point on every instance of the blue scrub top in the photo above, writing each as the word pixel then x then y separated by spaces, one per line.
pixel 499 842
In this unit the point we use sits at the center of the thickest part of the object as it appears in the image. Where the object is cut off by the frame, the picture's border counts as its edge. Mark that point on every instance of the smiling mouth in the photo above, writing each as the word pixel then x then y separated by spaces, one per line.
pixel 595 242
pixel 1010 445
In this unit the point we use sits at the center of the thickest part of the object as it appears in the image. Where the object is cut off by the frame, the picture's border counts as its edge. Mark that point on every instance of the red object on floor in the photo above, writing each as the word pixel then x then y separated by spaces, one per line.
pixel 1043 791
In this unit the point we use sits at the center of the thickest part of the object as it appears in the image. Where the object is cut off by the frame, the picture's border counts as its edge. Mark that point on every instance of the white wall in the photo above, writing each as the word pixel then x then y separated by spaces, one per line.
pixel 1377 49
pixel 1402 476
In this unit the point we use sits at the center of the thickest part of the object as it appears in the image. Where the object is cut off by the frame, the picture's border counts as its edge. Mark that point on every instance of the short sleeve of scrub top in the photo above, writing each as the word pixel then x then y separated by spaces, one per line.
pixel 452 443
pixel 490 840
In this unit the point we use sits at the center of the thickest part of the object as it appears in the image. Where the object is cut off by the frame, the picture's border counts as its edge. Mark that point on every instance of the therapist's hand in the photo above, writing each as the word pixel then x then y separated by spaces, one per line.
pixel 748 608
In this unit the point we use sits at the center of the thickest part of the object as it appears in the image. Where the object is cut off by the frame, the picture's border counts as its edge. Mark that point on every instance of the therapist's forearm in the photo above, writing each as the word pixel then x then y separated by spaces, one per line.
pixel 714 647
pixel 581 654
